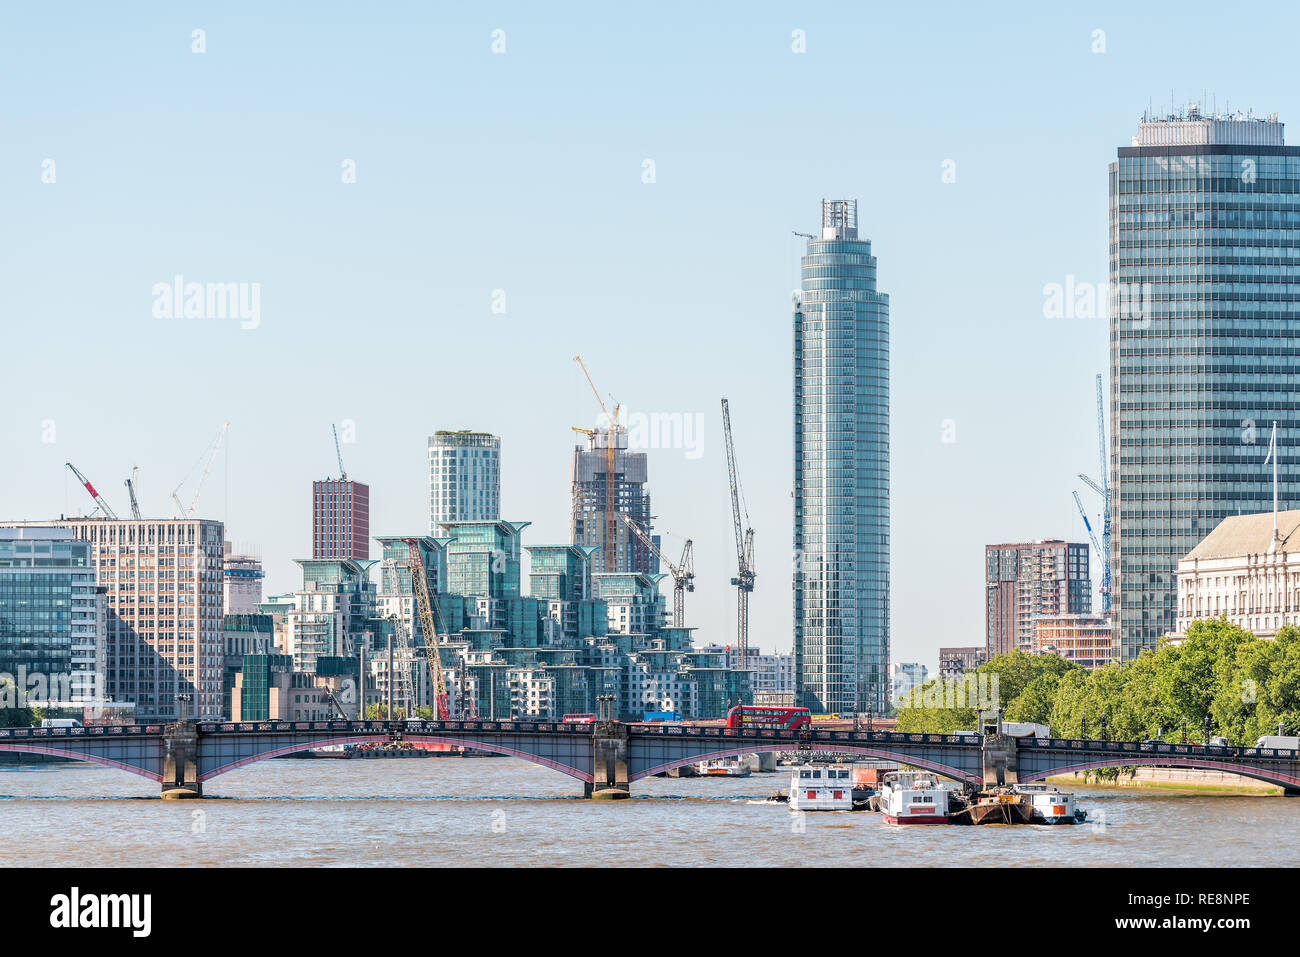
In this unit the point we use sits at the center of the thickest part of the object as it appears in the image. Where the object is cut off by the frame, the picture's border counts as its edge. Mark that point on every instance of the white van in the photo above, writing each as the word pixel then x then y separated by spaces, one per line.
pixel 1026 729
pixel 60 723
pixel 1279 741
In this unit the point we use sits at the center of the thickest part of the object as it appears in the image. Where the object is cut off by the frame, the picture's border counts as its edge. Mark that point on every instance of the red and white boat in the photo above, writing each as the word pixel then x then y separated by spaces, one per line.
pixel 913 797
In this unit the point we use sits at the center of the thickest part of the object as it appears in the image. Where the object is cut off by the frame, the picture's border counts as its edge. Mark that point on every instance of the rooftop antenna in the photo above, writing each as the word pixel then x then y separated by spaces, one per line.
pixel 343 473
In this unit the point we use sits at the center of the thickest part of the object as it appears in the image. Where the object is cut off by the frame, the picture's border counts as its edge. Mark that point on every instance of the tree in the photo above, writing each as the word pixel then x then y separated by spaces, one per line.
pixel 933 707
pixel 15 717
pixel 1245 686
pixel 1035 702
pixel 1193 674
pixel 1015 671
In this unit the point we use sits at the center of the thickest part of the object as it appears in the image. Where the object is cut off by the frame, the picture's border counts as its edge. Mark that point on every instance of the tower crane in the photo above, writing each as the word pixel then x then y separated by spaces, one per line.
pixel 130 489
pixel 420 587
pixel 611 505
pixel 99 499
pixel 744 534
pixel 1102 489
pixel 343 473
pixel 182 511
pixel 1091 534
pixel 404 685
pixel 683 571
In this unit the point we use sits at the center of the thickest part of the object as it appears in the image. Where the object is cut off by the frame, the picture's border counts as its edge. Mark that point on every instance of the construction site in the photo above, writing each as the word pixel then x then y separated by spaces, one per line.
pixel 450 629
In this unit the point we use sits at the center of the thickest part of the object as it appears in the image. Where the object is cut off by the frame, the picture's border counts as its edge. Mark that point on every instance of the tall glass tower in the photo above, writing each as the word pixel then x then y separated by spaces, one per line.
pixel 841 472
pixel 1204 346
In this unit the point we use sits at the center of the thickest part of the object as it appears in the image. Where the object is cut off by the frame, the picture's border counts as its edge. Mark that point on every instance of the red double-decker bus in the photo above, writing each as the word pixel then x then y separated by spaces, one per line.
pixel 784 719
pixel 578 719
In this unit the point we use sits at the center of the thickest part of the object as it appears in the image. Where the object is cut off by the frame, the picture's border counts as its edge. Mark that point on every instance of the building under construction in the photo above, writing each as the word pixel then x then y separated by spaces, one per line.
pixel 590 479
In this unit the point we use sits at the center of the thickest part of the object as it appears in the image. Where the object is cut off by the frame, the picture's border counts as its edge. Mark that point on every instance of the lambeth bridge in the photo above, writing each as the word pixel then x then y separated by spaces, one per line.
pixel 608 756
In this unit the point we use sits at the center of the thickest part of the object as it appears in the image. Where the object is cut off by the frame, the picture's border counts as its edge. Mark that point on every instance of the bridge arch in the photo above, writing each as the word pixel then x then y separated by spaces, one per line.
pixel 839 747
pixel 384 738
pixel 1164 761
pixel 34 748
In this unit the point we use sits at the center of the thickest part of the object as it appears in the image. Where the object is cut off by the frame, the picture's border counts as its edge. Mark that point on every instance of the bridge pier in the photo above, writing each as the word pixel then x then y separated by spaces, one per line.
pixel 608 762
pixel 180 777
pixel 1000 759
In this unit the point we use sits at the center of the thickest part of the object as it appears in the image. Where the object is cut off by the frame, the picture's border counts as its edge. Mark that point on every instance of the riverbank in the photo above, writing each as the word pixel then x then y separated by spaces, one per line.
pixel 1172 780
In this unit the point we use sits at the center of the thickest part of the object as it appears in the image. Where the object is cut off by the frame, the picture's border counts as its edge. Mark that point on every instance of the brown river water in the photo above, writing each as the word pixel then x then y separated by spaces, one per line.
pixel 505 812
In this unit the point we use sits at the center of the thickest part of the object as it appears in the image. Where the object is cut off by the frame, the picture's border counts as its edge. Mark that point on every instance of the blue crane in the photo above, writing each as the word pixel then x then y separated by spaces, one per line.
pixel 1102 489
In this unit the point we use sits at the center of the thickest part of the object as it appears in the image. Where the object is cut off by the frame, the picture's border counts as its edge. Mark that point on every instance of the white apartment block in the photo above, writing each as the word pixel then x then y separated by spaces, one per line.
pixel 769 674
pixel 317 626
pixel 633 616
pixel 532 693
pixel 648 689
pixel 1239 571
pixel 163 606
pixel 464 478
pixel 419 682
pixel 401 607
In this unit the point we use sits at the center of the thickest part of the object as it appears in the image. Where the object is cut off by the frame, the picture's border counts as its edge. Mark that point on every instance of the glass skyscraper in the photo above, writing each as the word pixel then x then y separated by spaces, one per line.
pixel 51 621
pixel 464 478
pixel 1204 346
pixel 841 472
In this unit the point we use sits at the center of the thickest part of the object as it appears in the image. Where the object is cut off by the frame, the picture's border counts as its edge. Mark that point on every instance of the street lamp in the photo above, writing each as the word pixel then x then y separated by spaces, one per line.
pixel 1083 725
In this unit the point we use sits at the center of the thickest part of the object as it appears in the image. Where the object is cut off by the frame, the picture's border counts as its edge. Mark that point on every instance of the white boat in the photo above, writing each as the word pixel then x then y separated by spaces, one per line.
pixel 913 797
pixel 821 788
pixel 722 768
pixel 1051 805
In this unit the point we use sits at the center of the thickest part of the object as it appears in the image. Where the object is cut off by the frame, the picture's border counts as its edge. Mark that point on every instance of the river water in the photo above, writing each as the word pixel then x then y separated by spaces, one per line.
pixel 506 812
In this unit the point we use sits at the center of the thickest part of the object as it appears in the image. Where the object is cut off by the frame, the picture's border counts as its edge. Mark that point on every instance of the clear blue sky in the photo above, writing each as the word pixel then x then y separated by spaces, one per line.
pixel 523 172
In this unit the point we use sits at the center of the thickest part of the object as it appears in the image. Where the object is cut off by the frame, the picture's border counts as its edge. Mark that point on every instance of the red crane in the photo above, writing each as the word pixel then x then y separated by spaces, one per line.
pixel 99 499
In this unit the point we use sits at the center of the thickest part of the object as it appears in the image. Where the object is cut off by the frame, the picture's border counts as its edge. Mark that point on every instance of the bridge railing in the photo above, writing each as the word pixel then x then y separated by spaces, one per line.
pixel 814 735
pixel 1161 747
pixel 386 727
pixel 92 731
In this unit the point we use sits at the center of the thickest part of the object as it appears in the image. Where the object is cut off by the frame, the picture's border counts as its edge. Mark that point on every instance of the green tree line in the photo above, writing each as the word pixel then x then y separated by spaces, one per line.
pixel 1221 680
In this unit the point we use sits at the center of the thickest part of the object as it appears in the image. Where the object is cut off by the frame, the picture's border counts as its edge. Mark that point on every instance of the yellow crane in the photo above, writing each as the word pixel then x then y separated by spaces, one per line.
pixel 611 505
pixel 425 607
